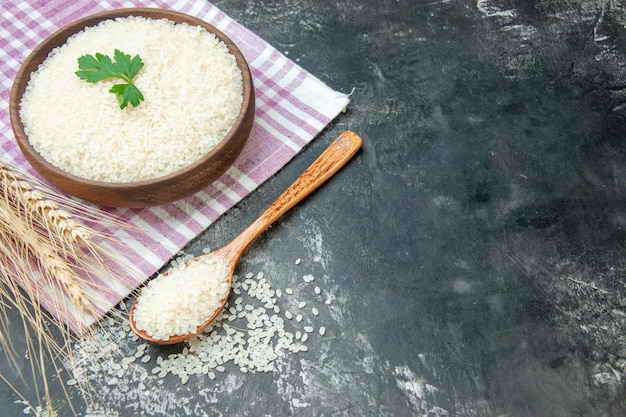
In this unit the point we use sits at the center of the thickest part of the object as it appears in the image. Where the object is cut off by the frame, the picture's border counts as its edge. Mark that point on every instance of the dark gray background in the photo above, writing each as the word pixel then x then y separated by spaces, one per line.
pixel 475 246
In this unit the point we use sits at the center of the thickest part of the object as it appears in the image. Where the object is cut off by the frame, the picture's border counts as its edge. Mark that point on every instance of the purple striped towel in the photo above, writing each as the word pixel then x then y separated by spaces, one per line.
pixel 292 108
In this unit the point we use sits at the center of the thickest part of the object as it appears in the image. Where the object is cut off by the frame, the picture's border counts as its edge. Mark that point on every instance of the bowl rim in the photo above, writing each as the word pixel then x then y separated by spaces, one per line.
pixel 92 20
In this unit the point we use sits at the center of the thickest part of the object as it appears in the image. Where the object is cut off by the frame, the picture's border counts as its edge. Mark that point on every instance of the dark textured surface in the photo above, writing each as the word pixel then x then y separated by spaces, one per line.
pixel 475 246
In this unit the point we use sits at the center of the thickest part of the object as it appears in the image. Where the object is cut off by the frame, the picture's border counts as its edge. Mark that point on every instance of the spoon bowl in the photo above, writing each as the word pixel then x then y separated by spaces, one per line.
pixel 338 153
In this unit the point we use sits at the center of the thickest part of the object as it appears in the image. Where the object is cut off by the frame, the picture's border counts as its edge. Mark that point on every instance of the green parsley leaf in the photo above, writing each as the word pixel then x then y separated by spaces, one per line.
pixel 127 93
pixel 100 67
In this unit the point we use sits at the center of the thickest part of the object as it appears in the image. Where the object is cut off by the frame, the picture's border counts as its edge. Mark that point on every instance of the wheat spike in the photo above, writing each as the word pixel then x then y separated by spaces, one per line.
pixel 46 212
pixel 39 255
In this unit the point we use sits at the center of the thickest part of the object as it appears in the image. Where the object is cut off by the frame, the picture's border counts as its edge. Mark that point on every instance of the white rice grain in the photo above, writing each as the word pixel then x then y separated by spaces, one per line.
pixel 184 298
pixel 193 94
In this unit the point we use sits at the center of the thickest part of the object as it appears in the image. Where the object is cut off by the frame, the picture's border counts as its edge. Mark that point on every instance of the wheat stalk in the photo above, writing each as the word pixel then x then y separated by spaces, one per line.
pixel 47 251
pixel 35 227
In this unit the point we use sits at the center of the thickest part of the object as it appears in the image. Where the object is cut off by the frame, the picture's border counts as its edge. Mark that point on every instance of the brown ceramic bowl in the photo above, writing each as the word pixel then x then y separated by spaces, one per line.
pixel 151 192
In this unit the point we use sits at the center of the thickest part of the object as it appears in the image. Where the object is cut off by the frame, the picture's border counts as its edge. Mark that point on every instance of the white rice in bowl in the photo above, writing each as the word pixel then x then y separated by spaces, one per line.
pixel 193 92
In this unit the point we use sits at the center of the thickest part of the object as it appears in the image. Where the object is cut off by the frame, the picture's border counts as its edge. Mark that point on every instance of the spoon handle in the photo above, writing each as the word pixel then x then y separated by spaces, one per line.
pixel 338 153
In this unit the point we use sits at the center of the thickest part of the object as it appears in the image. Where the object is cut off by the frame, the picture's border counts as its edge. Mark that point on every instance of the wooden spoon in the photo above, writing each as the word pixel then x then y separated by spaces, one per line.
pixel 325 166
